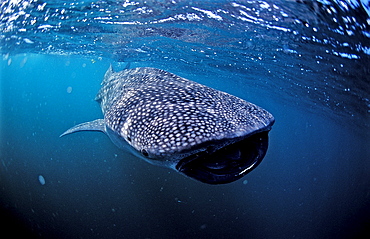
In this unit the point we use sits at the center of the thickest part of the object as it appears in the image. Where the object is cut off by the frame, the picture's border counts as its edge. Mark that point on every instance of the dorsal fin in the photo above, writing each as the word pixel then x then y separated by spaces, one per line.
pixel 108 74
pixel 95 125
pixel 107 78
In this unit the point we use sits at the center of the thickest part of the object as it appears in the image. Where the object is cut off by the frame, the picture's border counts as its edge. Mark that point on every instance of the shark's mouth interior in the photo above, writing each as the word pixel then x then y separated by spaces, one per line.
pixel 228 163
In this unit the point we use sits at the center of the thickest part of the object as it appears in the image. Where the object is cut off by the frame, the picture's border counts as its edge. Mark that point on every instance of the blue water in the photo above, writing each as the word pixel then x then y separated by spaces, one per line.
pixel 306 62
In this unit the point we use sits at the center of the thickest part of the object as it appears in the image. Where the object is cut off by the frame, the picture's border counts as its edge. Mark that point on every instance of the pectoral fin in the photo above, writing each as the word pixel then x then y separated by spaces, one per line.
pixel 96 125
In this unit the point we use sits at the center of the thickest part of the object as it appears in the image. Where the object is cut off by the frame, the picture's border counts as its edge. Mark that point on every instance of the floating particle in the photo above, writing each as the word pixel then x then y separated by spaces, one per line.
pixel 41 179
pixel 204 226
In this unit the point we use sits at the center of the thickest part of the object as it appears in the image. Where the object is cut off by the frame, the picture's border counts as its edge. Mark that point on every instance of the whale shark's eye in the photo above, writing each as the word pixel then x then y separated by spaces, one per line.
pixel 144 152
pixel 129 138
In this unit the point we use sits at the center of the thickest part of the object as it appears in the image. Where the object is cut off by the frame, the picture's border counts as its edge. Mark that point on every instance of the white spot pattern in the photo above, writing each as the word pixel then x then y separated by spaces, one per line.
pixel 165 114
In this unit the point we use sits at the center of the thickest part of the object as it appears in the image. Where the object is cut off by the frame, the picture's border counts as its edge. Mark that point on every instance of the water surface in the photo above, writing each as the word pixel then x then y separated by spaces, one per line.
pixel 306 62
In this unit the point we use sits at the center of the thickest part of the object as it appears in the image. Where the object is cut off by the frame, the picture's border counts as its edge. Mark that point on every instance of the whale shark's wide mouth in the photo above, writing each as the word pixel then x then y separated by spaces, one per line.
pixel 227 164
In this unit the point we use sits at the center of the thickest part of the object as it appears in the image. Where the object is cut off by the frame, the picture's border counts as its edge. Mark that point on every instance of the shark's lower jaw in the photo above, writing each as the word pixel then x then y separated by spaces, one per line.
pixel 227 164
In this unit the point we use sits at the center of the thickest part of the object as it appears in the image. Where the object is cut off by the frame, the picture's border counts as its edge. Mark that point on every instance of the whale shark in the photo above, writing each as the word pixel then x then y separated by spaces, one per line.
pixel 203 133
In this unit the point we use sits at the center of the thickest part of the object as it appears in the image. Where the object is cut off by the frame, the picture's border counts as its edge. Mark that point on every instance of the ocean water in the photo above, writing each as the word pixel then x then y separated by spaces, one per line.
pixel 306 62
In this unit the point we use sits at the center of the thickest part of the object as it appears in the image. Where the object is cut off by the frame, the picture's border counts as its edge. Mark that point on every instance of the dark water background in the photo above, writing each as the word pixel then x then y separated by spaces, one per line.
pixel 307 62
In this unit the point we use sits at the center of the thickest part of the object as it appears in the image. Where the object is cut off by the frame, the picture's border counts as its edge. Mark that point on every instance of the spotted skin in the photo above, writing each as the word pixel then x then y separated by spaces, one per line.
pixel 165 117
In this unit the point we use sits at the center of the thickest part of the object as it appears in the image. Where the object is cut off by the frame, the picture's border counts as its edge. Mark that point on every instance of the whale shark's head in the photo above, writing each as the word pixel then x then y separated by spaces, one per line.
pixel 215 162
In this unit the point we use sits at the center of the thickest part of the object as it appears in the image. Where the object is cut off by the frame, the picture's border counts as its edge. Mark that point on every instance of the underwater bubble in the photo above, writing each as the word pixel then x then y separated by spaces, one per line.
pixel 41 180
pixel 28 41
pixel 69 89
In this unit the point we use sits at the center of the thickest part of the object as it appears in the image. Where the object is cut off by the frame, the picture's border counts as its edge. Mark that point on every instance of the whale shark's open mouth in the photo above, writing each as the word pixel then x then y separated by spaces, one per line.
pixel 228 163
